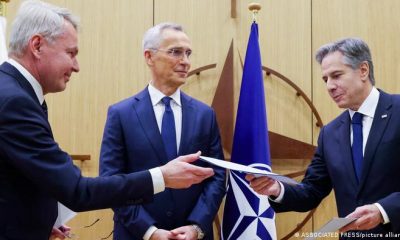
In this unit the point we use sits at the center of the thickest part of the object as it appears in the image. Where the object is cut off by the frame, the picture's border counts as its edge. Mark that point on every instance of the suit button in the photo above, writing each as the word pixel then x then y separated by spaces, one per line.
pixel 169 214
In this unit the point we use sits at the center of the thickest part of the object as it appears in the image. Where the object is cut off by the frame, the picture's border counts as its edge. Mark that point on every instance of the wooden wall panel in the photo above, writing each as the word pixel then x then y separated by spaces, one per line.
pixel 287 113
pixel 209 26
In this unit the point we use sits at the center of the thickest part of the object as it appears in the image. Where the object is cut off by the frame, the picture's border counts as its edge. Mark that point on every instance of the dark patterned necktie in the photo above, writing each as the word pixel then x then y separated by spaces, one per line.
pixel 44 107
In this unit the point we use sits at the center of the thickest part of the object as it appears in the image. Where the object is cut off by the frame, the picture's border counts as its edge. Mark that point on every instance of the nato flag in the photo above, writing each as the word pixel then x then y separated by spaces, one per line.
pixel 248 215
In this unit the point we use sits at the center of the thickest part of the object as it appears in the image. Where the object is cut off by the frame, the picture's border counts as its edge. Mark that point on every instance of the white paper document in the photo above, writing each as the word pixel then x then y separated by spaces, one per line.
pixel 247 169
pixel 330 227
pixel 64 215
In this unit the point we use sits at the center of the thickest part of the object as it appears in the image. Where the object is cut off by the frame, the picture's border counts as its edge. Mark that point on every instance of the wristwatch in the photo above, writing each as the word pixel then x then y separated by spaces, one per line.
pixel 200 233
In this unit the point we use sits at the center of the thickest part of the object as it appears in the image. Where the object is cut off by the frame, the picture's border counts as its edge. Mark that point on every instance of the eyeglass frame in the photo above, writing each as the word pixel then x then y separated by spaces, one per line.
pixel 176 52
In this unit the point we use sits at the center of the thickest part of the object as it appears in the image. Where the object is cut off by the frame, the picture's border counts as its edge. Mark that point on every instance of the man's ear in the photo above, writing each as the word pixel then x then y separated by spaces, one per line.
pixel 35 44
pixel 148 56
pixel 364 71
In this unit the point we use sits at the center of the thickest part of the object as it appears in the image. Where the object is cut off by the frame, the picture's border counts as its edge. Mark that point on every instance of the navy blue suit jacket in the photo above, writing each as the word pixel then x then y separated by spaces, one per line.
pixel 35 173
pixel 132 142
pixel 332 167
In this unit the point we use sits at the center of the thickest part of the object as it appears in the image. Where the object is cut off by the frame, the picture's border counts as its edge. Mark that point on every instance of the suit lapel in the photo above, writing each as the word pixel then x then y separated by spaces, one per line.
pixel 382 117
pixel 144 110
pixel 10 70
pixel 188 123
pixel 343 139
pixel 14 73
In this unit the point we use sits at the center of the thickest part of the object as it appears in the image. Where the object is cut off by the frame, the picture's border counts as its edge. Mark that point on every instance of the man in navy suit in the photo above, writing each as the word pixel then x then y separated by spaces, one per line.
pixel 34 172
pixel 366 183
pixel 134 140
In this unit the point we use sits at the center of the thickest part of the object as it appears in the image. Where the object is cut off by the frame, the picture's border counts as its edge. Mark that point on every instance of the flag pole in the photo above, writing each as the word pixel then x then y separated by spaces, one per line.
pixel 3 7
pixel 254 8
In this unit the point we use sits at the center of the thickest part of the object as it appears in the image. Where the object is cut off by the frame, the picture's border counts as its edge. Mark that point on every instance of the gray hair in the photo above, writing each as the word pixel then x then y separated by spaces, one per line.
pixel 37 17
pixel 153 37
pixel 354 50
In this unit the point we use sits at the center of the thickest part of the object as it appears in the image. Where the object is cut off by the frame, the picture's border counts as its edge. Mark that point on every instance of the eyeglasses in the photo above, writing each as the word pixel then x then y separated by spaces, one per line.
pixel 177 53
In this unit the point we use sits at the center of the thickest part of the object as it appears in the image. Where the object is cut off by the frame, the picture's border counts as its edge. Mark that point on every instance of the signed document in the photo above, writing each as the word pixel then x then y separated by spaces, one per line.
pixel 247 169
pixel 330 227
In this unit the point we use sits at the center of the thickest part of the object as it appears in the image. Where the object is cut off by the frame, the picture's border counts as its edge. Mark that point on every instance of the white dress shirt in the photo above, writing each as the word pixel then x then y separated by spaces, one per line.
pixel 367 108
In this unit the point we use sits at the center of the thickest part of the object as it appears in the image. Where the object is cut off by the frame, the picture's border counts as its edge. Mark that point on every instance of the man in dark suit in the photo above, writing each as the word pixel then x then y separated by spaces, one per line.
pixel 359 159
pixel 137 127
pixel 34 172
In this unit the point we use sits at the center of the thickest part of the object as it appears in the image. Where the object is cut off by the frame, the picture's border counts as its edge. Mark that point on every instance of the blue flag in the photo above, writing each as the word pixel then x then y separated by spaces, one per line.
pixel 248 215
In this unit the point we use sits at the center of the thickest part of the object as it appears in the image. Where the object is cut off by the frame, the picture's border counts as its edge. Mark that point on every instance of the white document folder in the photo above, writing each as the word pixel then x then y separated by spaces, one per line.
pixel 247 169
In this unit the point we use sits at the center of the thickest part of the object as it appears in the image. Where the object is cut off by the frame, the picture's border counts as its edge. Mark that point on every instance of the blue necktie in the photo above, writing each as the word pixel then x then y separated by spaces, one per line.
pixel 357 148
pixel 168 133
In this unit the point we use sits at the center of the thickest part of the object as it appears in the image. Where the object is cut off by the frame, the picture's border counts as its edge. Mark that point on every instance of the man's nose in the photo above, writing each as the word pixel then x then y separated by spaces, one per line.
pixel 330 85
pixel 185 59
pixel 75 65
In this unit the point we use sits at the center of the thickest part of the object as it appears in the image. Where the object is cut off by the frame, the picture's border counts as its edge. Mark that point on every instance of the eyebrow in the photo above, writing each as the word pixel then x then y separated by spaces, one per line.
pixel 336 72
pixel 332 73
pixel 181 48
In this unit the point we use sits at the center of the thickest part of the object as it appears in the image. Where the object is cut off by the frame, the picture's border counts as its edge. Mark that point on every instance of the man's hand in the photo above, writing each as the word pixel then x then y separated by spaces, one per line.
pixel 161 234
pixel 264 185
pixel 179 173
pixel 368 217
pixel 60 233
pixel 185 233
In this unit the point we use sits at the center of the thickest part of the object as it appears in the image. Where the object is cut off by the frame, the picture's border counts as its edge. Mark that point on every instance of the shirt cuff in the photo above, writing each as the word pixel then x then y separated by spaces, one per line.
pixel 149 232
pixel 158 180
pixel 383 213
pixel 280 196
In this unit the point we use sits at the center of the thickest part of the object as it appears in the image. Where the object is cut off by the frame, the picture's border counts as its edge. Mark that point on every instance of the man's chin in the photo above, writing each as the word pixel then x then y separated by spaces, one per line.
pixel 342 105
pixel 181 80
pixel 59 88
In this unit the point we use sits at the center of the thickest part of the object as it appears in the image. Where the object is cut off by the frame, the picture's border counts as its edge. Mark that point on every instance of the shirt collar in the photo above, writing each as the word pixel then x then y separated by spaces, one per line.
pixel 369 105
pixel 156 95
pixel 34 83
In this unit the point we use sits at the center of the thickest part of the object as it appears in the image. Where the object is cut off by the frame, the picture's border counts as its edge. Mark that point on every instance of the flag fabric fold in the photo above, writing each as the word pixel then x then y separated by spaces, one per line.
pixel 3 48
pixel 248 215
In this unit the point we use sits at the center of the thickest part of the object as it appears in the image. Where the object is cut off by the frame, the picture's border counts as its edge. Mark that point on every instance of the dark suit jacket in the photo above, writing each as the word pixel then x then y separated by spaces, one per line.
pixel 332 167
pixel 35 173
pixel 132 142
